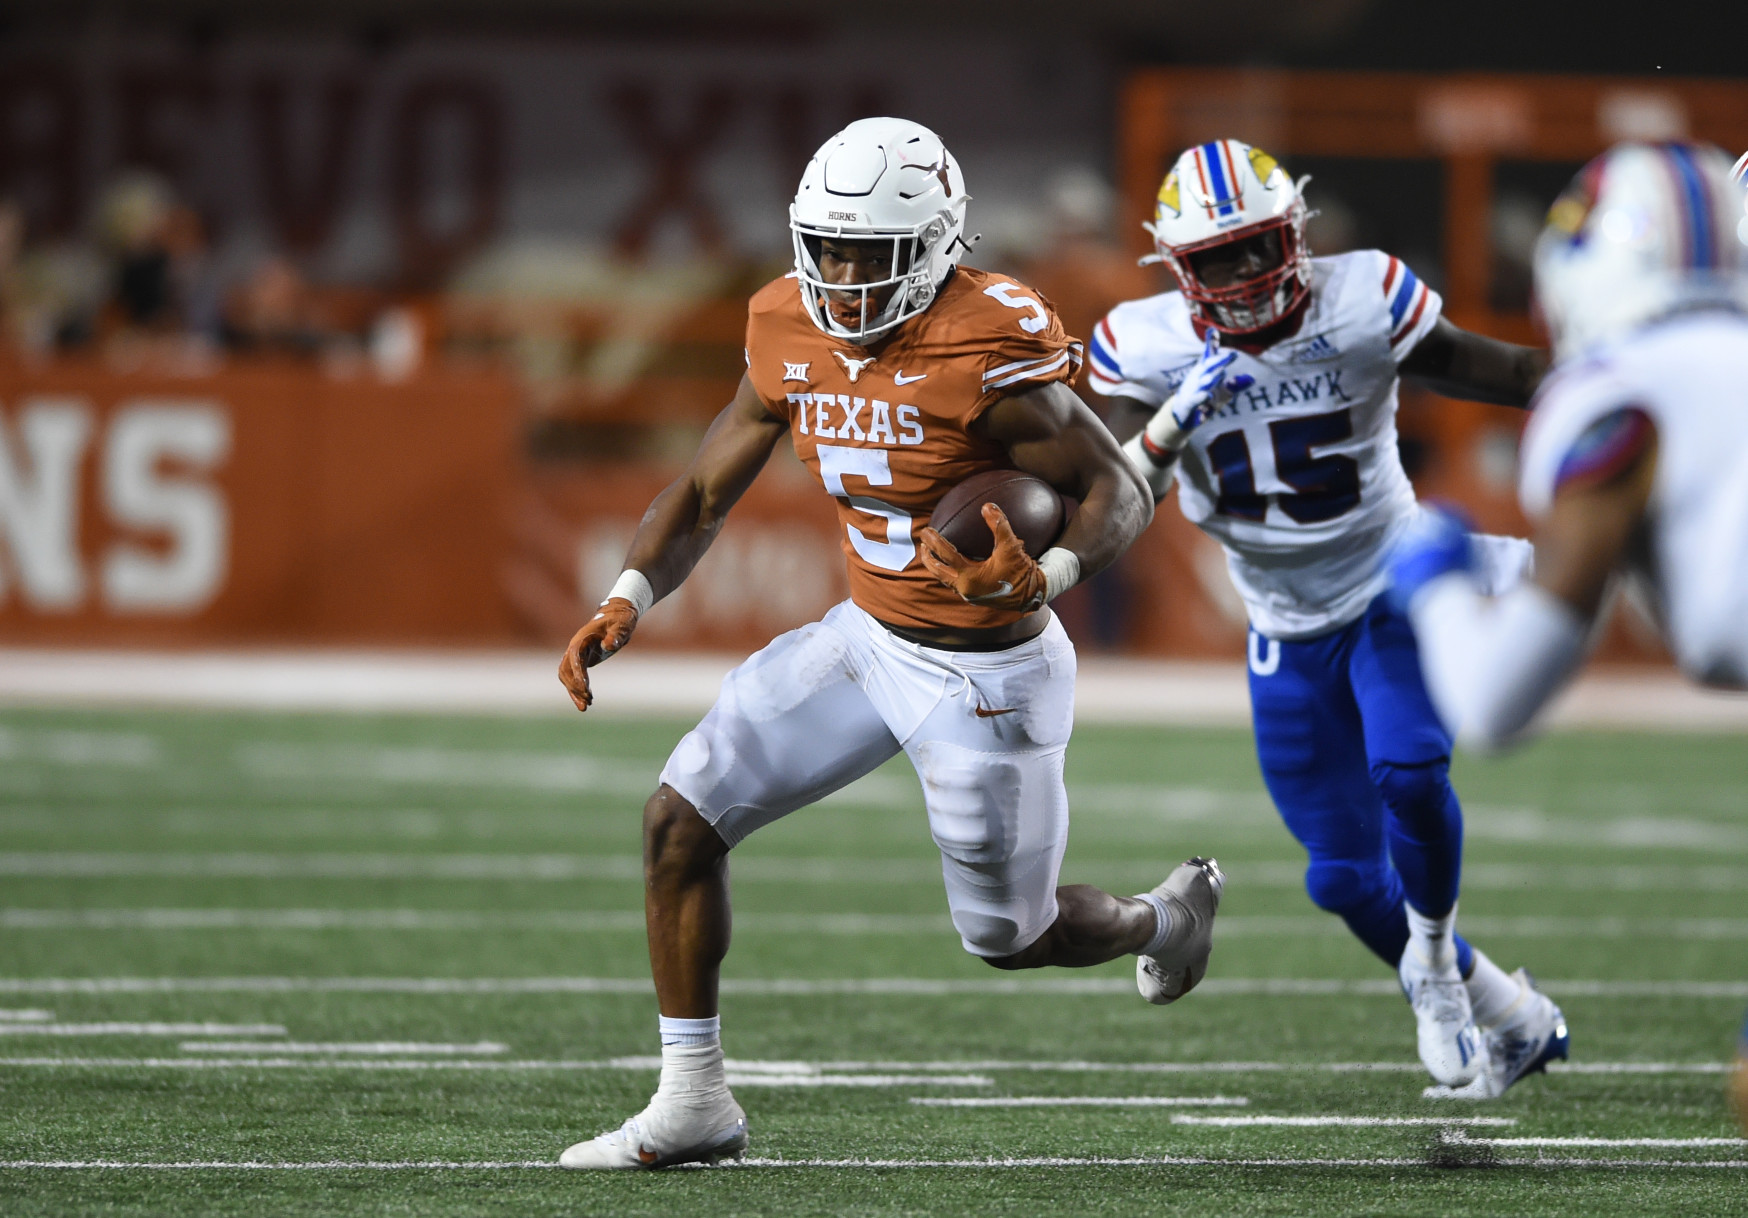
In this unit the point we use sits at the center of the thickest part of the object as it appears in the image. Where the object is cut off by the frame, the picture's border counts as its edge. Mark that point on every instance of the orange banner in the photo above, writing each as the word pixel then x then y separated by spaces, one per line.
pixel 260 504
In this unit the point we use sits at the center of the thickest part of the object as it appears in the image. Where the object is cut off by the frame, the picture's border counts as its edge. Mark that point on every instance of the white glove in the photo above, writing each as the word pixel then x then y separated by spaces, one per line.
pixel 1204 392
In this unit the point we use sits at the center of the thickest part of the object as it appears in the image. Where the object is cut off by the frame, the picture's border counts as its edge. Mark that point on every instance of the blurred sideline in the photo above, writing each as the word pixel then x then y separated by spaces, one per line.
pixel 523 682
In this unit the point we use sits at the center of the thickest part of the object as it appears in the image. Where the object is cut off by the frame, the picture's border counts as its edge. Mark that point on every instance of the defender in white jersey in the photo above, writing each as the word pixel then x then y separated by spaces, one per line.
pixel 1267 387
pixel 1635 463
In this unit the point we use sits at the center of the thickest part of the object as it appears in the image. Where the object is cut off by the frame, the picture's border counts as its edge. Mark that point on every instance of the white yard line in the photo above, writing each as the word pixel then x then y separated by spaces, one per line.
pixel 141 1029
pixel 737 1079
pixel 754 1073
pixel 593 921
pixel 629 921
pixel 1080 1101
pixel 376 1048
pixel 1650 1143
pixel 896 986
pixel 473 1066
pixel 1115 690
pixel 27 1016
pixel 986 1164
pixel 1334 1122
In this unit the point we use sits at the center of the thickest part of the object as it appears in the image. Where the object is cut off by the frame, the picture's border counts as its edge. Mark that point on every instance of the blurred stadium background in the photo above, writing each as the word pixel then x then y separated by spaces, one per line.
pixel 379 323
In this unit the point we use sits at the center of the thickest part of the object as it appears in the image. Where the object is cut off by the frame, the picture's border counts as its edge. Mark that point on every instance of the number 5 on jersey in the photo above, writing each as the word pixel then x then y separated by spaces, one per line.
pixel 1005 292
pixel 836 462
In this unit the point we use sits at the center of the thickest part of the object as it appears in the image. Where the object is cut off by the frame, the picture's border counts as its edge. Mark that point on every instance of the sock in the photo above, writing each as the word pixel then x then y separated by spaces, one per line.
pixel 1162 923
pixel 691 1074
pixel 1493 993
pixel 689 1031
pixel 1432 938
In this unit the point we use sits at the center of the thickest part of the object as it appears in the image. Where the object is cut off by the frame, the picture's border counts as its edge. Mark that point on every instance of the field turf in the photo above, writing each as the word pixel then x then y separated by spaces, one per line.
pixel 257 964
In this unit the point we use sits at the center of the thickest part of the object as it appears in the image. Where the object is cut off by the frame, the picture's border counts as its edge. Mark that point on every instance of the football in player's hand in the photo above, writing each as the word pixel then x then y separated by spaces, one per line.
pixel 1034 510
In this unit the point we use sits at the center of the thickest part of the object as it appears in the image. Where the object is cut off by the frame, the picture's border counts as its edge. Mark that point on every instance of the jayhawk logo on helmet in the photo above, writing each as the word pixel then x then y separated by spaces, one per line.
pixel 1225 191
pixel 1169 200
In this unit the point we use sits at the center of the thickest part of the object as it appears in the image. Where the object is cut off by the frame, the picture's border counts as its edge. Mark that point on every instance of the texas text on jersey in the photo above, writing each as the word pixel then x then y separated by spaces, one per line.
pixel 887 429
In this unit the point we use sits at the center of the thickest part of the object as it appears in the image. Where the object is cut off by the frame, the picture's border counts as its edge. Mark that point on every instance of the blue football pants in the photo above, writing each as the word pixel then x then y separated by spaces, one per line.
pixel 1357 762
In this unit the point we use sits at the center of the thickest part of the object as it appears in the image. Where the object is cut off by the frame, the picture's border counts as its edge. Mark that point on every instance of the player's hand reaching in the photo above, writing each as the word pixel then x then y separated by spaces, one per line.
pixel 606 632
pixel 1206 389
pixel 1008 579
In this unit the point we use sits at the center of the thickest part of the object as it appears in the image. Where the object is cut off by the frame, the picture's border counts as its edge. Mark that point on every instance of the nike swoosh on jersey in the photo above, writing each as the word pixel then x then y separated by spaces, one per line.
pixel 899 378
pixel 984 712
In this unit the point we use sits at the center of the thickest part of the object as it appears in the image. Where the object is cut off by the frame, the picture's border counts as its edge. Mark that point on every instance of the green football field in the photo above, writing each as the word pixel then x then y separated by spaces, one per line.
pixel 256 964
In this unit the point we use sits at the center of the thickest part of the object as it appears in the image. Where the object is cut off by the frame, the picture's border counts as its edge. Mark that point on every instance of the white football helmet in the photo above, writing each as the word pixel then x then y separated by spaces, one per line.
pixel 1222 192
pixel 880 179
pixel 1642 231
pixel 1739 172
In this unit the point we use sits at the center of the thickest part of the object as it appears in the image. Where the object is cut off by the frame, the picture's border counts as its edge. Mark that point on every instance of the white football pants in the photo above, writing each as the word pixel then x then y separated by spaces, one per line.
pixel 823 705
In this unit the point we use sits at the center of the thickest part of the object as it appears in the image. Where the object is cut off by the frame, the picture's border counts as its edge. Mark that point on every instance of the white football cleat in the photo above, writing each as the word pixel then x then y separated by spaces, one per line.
pixel 1450 1043
pixel 1532 1034
pixel 675 1128
pixel 1192 893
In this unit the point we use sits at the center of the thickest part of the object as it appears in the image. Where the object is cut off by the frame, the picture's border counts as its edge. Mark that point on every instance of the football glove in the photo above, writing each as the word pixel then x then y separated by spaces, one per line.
pixel 1008 579
pixel 606 632
pixel 1205 391
pixel 1435 544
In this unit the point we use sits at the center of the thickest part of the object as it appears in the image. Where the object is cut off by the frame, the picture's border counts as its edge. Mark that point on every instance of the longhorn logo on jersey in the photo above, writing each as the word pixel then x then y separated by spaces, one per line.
pixel 853 367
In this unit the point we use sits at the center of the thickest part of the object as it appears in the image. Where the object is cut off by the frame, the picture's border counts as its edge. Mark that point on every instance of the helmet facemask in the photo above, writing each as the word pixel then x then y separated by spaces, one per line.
pixel 909 287
pixel 1253 304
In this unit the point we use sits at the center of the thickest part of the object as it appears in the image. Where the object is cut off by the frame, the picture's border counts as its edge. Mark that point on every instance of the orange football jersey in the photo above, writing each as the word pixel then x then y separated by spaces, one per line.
pixel 886 429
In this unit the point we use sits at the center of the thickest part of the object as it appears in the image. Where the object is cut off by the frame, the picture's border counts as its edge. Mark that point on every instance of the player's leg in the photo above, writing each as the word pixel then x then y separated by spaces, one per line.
pixel 1310 748
pixel 791 725
pixel 990 754
pixel 1409 756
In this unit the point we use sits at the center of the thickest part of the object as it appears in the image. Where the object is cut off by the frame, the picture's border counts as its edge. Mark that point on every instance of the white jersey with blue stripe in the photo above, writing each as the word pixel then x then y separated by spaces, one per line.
pixel 1690 375
pixel 1298 477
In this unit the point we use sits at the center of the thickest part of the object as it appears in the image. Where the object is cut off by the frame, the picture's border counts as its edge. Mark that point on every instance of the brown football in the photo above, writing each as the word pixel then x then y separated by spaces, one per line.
pixel 1034 509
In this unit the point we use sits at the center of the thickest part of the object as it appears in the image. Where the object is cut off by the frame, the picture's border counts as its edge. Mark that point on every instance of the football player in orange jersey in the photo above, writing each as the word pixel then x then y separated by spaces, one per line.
pixel 896 374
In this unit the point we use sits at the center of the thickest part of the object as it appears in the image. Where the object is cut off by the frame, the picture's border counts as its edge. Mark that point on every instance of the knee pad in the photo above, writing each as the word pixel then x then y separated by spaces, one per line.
pixel 1412 790
pixel 1338 885
pixel 990 936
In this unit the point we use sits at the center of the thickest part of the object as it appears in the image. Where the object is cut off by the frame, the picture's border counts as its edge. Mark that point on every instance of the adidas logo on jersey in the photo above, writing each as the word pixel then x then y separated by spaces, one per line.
pixel 1318 347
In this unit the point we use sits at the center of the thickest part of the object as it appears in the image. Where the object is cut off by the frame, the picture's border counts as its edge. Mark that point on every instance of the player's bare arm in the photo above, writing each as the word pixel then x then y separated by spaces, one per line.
pixel 1493 662
pixel 678 528
pixel 1126 416
pixel 1462 364
pixel 1591 531
pixel 1050 432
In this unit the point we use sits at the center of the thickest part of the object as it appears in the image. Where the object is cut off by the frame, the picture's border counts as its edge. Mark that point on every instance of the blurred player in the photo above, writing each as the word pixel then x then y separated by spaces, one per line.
pixel 1267 386
pixel 896 374
pixel 1635 462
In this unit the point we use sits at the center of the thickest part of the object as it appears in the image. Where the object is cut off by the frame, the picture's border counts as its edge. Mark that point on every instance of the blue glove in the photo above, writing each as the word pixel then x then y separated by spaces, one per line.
pixel 1205 390
pixel 1434 545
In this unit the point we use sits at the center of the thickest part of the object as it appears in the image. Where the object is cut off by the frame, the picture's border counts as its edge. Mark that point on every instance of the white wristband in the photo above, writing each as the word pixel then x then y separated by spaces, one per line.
pixel 1158 477
pixel 1061 571
pixel 634 587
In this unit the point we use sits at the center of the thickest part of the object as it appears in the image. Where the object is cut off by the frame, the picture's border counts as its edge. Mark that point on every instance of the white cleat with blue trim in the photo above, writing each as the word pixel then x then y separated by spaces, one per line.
pixel 1531 1034
pixel 1450 1043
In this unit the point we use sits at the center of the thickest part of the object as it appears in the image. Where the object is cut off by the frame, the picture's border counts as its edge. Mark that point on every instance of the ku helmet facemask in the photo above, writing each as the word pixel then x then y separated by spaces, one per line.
pixel 879 181
pixel 1219 194
pixel 1643 231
